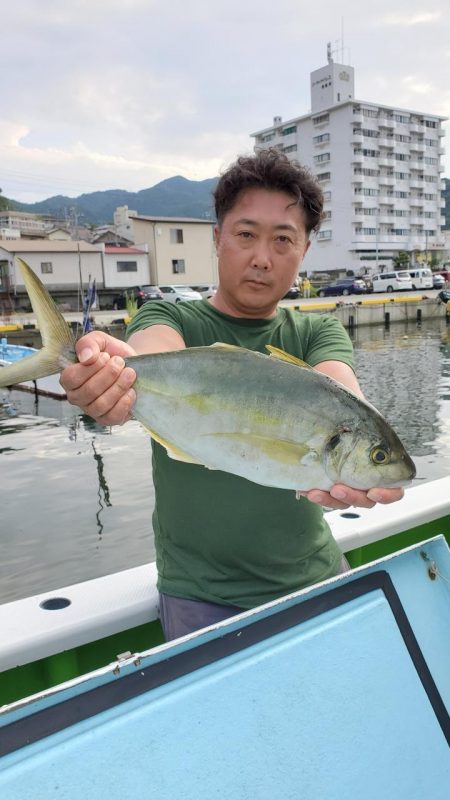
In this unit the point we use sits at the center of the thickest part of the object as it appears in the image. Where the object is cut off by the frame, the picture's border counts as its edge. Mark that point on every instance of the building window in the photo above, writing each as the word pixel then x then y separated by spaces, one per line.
pixel 324 137
pixel 323 176
pixel 178 265
pixel 46 267
pixel 320 120
pixel 322 157
pixel 127 266
pixel 324 235
pixel 370 112
pixel 401 118
pixel 326 196
pixel 292 148
pixel 291 129
pixel 176 236
pixel 326 214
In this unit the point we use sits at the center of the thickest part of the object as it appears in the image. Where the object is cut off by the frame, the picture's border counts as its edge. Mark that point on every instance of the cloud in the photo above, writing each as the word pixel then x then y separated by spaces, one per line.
pixel 410 19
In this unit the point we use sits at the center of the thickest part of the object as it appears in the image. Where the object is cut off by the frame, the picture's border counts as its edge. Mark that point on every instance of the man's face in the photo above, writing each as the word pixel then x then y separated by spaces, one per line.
pixel 260 246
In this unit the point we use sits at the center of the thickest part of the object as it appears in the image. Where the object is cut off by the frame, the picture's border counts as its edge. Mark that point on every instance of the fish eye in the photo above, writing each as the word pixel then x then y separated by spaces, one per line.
pixel 379 455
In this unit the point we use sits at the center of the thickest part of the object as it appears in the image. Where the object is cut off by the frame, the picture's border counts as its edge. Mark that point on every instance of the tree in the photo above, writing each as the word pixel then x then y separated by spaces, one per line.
pixel 4 203
pixel 401 260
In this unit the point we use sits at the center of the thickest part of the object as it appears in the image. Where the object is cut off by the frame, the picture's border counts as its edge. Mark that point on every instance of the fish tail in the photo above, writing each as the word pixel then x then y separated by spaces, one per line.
pixel 58 341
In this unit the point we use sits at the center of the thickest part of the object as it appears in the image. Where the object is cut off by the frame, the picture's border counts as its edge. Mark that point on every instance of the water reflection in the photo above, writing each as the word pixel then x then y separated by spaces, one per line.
pixel 404 372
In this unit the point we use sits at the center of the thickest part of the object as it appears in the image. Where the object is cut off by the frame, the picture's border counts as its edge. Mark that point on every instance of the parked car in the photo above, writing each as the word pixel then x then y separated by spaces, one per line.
pixel 421 278
pixel 438 281
pixel 139 293
pixel 176 293
pixel 205 291
pixel 392 281
pixel 292 293
pixel 343 286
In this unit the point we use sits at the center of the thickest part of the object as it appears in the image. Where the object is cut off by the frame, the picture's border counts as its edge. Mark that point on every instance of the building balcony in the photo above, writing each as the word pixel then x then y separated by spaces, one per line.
pixel 386 200
pixel 386 180
pixel 417 165
pixel 416 202
pixel 360 238
pixel 358 158
pixel 386 141
pixel 415 184
pixel 416 220
pixel 385 122
pixel 414 127
pixel 417 147
pixel 357 118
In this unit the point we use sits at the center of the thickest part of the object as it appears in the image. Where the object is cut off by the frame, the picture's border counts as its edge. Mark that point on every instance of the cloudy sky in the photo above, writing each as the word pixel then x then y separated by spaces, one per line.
pixel 121 94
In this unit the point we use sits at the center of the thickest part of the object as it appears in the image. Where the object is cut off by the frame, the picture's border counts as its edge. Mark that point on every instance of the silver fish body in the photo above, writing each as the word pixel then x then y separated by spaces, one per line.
pixel 273 422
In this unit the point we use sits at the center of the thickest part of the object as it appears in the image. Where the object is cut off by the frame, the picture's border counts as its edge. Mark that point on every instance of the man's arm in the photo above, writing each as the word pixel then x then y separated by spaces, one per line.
pixel 341 496
pixel 99 383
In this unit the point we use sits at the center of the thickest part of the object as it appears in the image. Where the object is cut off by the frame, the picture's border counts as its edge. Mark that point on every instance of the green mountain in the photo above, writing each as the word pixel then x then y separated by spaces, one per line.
pixel 174 197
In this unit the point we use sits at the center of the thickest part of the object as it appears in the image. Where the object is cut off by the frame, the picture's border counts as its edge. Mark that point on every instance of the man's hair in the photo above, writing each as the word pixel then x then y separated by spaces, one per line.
pixel 273 170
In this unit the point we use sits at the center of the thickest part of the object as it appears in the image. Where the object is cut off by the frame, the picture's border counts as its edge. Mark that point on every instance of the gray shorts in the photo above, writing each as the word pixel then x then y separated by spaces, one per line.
pixel 180 616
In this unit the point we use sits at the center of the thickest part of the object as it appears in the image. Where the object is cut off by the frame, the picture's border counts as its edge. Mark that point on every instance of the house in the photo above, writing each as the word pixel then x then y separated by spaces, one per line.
pixel 125 266
pixel 62 266
pixel 181 250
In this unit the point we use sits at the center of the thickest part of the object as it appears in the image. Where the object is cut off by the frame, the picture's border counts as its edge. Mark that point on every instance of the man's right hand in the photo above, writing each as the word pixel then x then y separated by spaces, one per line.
pixel 99 383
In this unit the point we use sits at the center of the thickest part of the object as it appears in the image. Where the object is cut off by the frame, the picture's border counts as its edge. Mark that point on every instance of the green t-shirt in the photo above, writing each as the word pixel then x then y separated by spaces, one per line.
pixel 219 537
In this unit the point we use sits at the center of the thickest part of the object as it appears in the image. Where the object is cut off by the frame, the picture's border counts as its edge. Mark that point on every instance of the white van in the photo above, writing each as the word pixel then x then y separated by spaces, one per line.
pixel 421 278
pixel 392 281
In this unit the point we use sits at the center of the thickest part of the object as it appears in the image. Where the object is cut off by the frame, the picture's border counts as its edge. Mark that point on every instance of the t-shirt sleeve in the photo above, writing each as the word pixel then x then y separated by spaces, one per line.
pixel 156 313
pixel 329 341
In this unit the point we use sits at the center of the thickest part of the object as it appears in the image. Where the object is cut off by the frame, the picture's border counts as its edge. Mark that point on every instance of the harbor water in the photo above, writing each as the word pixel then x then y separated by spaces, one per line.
pixel 76 499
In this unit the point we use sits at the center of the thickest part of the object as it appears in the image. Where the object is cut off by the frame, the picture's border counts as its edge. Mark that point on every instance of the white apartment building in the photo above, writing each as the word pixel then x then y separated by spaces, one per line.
pixel 380 170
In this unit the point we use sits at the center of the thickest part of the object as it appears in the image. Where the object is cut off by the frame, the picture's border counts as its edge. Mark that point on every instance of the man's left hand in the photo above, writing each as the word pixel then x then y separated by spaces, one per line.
pixel 341 496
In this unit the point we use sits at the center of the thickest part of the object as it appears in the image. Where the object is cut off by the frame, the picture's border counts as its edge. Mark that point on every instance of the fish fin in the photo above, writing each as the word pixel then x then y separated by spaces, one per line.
pixel 281 450
pixel 171 449
pixel 57 338
pixel 277 353
pixel 224 346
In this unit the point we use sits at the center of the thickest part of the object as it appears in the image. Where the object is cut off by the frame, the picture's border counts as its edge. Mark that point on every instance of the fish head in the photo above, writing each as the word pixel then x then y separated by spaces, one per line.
pixel 368 456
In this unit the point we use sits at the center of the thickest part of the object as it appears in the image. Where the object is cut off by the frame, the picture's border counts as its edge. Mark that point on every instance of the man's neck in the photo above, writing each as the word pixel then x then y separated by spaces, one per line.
pixel 225 307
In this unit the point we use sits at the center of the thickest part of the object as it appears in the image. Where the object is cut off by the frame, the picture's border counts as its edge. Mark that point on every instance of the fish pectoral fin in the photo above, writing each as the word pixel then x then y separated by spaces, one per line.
pixel 277 353
pixel 171 449
pixel 284 451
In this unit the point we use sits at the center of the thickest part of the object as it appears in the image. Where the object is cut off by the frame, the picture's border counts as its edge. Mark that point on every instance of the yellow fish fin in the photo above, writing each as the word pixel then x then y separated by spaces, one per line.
pixel 275 351
pixel 172 451
pixel 281 450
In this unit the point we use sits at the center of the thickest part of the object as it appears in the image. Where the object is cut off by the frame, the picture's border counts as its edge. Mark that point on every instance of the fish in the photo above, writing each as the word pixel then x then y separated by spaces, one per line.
pixel 269 418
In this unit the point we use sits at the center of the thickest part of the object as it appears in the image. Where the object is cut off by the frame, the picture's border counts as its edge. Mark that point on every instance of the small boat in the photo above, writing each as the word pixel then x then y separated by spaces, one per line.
pixel 342 689
pixel 48 386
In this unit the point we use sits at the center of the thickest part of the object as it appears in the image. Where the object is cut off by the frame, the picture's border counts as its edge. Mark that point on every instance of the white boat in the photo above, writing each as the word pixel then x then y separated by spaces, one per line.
pixel 48 386
pixel 342 688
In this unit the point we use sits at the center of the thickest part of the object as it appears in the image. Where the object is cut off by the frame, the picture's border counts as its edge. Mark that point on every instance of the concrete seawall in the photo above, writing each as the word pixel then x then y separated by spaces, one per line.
pixel 378 311
pixel 368 311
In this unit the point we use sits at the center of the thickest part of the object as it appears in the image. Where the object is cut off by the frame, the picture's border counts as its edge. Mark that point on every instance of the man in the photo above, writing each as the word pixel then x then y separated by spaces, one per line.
pixel 225 544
